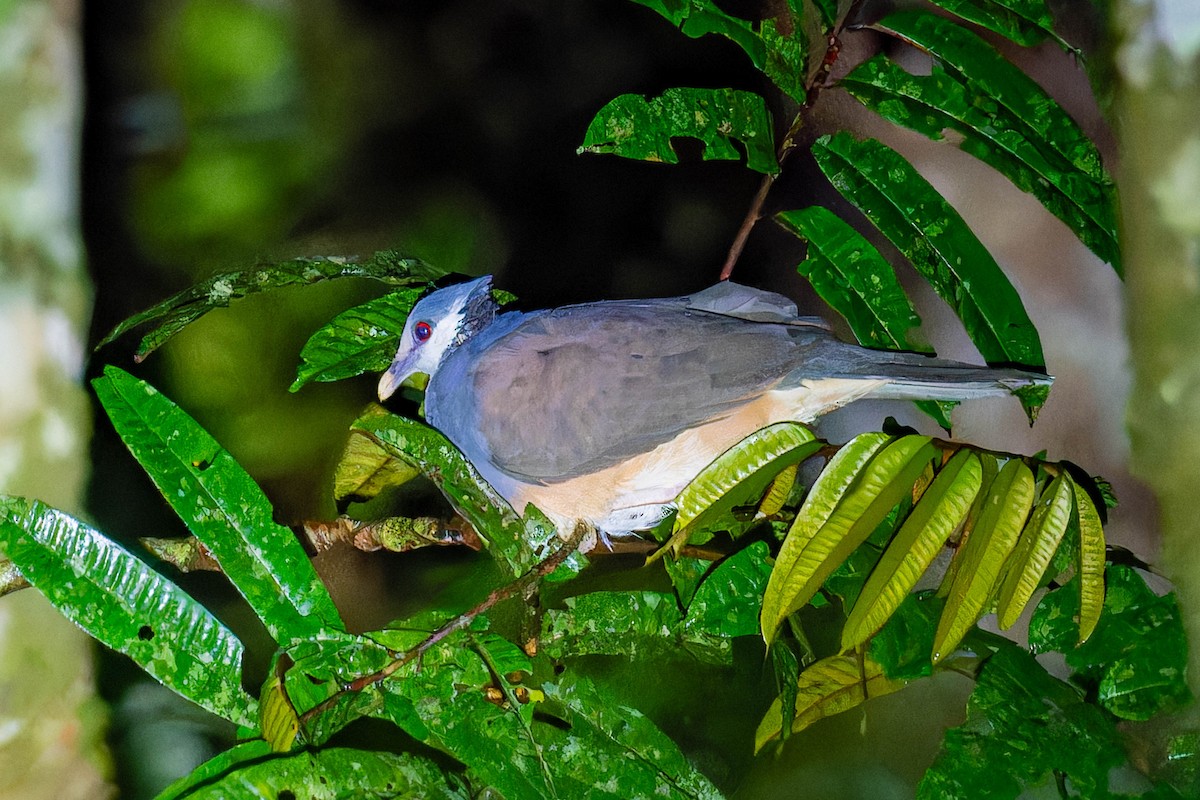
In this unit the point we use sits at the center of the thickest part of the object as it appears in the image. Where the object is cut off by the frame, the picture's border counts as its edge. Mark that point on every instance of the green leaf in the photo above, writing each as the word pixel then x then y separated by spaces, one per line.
pixel 360 339
pixel 938 410
pixel 741 474
pixel 830 686
pixel 1022 724
pixel 250 772
pixel 988 74
pixel 983 557
pixel 854 279
pixel 820 540
pixel 1026 22
pixel 1036 547
pixel 941 509
pixel 931 234
pixel 633 624
pixel 639 127
pixel 127 606
pixel 180 310
pixel 222 507
pixel 778 47
pixel 728 601
pixel 1136 659
pixel 902 646
pixel 942 100
pixel 519 543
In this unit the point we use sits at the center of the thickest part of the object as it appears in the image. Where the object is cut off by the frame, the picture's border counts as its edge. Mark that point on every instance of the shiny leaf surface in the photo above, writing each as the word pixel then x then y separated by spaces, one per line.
pixel 1034 550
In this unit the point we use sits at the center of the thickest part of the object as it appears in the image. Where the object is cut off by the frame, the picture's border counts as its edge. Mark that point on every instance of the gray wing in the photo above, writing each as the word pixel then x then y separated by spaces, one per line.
pixel 581 388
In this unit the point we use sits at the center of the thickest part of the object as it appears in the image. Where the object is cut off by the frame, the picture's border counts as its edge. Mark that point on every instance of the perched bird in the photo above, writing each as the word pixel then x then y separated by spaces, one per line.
pixel 604 411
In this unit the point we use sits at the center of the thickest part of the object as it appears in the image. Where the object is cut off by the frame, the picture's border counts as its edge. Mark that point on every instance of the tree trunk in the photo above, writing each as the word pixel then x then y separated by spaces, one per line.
pixel 51 725
pixel 1158 74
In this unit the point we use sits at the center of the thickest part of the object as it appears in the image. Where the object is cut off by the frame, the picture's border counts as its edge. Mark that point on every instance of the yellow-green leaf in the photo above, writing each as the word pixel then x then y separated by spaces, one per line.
pixel 940 510
pixel 276 717
pixel 1091 562
pixel 811 552
pixel 742 473
pixel 983 556
pixel 828 687
pixel 366 468
pixel 778 491
pixel 1034 550
pixel 991 467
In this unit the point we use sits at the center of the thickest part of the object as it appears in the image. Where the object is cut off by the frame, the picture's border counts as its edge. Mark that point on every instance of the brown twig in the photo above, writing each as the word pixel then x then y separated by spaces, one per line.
pixel 522 584
pixel 11 579
pixel 812 90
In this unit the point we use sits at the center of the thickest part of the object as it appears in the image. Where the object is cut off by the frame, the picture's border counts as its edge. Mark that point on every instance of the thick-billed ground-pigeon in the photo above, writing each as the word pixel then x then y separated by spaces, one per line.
pixel 604 411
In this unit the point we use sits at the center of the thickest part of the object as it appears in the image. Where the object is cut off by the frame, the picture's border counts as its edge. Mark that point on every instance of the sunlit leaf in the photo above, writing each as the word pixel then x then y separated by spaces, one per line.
pixel 123 603
pixel 222 507
pixel 777 46
pixel 948 101
pixel 1092 556
pixel 180 310
pixel 983 556
pixel 366 468
pixel 250 772
pixel 830 686
pixel 778 491
pixel 809 556
pixel 942 508
pixel 639 127
pixel 1034 550
pixel 1136 660
pixel 360 339
pixel 932 235
pixel 1026 22
pixel 742 473
pixel 1022 724
pixel 854 279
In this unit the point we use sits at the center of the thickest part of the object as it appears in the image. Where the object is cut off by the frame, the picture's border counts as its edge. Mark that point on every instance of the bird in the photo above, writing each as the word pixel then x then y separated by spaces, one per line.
pixel 603 412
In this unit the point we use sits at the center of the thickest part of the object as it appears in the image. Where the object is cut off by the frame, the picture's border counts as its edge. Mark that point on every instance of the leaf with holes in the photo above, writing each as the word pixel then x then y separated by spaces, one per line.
pixel 807 558
pixel 777 45
pixel 180 310
pixel 932 235
pixel 830 686
pixel 983 557
pixel 854 279
pixel 123 603
pixel 222 507
pixel 941 509
pixel 641 128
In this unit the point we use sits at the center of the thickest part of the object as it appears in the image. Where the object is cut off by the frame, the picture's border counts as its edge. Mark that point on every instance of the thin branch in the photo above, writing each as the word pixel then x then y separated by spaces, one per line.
pixel 522 584
pixel 812 91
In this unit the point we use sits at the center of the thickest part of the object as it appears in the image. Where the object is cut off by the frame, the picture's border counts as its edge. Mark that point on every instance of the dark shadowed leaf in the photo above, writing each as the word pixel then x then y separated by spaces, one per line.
pixel 728 602
pixel 180 310
pixel 1022 724
pixel 639 127
pixel 902 646
pixel 1026 22
pixel 947 100
pixel 360 339
pixel 222 507
pixel 1135 660
pixel 126 605
pixel 854 279
pixel 932 235
pixel 830 686
pixel 777 46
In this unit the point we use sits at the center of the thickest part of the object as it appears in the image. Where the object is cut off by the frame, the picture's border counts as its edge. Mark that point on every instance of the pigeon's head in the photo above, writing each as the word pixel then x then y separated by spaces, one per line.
pixel 436 325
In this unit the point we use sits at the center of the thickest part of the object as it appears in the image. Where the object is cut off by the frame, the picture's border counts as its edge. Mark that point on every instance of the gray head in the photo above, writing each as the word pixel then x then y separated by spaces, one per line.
pixel 437 324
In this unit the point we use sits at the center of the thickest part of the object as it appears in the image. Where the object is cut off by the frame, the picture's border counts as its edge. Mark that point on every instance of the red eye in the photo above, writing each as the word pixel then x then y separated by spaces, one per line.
pixel 422 331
